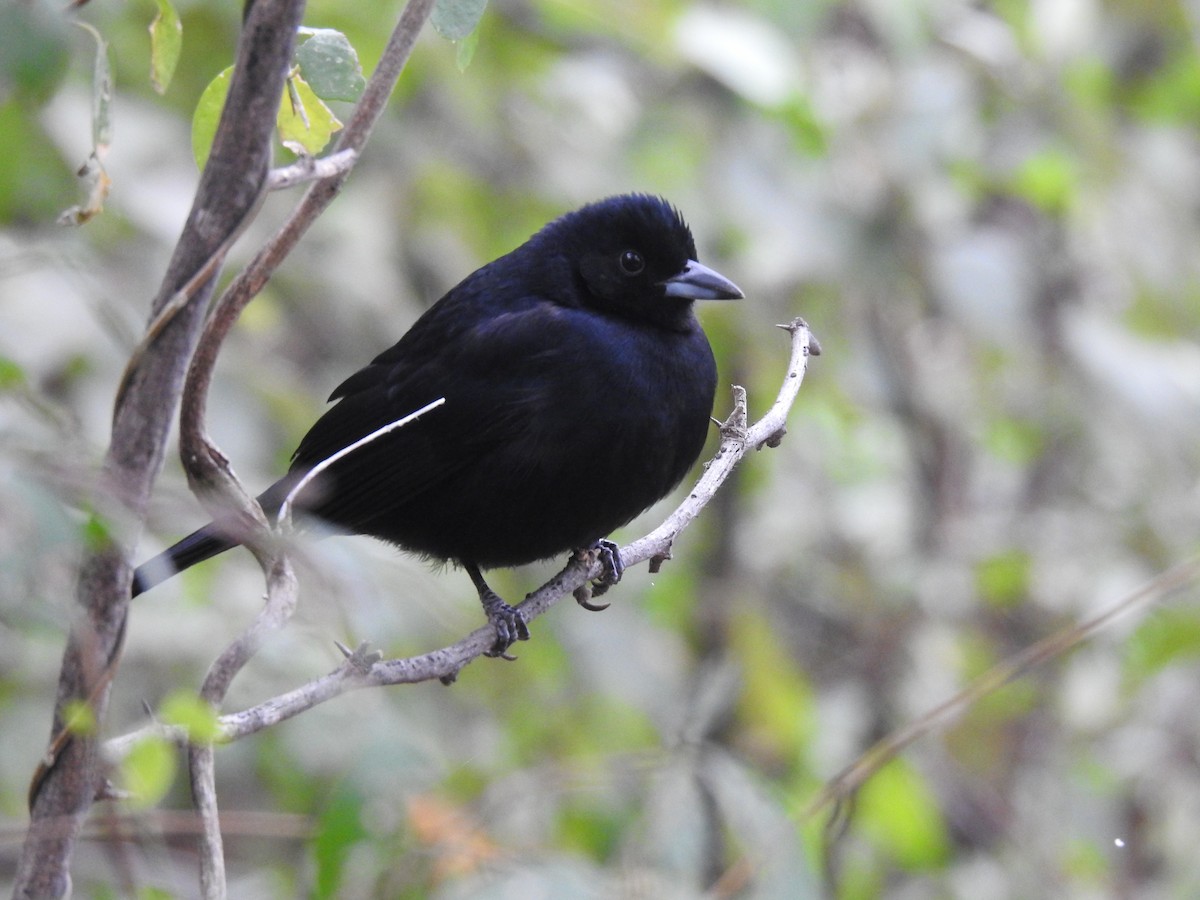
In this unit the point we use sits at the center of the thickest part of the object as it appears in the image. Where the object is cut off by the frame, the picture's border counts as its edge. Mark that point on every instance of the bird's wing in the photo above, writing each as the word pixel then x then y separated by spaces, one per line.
pixel 493 376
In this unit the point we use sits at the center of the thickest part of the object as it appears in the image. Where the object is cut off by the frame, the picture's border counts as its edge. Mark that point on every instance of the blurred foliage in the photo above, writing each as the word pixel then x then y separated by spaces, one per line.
pixel 987 212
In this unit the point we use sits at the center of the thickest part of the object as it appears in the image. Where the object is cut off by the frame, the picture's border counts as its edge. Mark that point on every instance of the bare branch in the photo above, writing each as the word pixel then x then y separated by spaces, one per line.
pixel 230 187
pixel 361 670
pixel 736 439
pixel 309 168
pixel 208 470
pixel 202 773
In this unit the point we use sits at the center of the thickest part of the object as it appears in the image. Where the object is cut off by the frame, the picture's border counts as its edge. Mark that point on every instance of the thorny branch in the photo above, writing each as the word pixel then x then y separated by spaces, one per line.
pixel 363 669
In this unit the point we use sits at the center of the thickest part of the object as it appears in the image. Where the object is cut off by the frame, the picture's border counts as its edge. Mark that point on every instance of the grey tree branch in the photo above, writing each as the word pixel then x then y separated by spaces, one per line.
pixel 70 776
pixel 208 469
pixel 361 669
pixel 309 168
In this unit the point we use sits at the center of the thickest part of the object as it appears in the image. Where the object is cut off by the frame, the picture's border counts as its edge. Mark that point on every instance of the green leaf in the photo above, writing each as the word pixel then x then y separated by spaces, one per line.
pixel 78 717
pixel 1168 635
pixel 1048 180
pixel 809 134
pixel 776 707
pixel 1091 84
pixel 900 813
pixel 12 376
pixel 166 42
pixel 96 535
pixel 1172 96
pixel 330 65
pixel 1014 440
pixel 1003 579
pixel 34 51
pixel 148 771
pixel 339 830
pixel 466 50
pixel 192 713
pixel 305 123
pixel 101 93
pixel 208 115
pixel 455 19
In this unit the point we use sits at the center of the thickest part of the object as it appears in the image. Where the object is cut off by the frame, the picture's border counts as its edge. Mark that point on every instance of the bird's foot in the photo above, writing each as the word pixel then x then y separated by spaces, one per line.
pixel 608 554
pixel 508 621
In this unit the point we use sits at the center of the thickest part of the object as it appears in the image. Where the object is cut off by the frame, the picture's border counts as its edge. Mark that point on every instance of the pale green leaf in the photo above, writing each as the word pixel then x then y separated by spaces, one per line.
pixel 466 50
pixel 148 770
pixel 102 89
pixel 185 709
pixel 304 122
pixel 898 809
pixel 208 115
pixel 78 717
pixel 166 43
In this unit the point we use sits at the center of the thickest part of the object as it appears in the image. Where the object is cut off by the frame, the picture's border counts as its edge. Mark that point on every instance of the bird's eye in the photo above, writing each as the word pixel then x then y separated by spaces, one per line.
pixel 632 263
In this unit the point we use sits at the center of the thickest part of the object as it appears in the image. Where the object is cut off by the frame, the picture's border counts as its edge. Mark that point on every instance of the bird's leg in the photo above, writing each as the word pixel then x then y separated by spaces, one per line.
pixel 508 621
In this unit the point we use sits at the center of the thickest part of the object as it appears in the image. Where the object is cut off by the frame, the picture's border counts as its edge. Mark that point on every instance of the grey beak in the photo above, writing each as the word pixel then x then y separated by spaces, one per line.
pixel 697 282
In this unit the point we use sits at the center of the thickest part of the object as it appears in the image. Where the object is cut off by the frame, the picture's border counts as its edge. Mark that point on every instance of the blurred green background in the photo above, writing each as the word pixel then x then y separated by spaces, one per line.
pixel 990 215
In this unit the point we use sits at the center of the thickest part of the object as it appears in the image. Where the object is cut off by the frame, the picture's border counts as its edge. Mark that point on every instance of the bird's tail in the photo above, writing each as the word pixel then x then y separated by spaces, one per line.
pixel 196 547
pixel 215 537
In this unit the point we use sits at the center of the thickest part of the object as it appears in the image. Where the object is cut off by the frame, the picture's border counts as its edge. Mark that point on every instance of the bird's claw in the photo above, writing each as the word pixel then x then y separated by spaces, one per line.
pixel 509 622
pixel 608 554
pixel 583 596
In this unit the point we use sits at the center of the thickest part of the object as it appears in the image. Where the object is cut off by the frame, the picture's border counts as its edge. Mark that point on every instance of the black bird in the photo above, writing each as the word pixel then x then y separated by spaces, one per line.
pixel 578 387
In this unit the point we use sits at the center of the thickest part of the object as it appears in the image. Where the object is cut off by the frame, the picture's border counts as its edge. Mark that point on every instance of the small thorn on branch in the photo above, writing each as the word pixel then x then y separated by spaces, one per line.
pixel 814 346
pixel 361 657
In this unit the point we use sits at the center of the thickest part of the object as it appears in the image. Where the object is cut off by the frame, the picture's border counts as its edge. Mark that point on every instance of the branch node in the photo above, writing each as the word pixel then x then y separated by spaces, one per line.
pixel 310 168
pixel 774 439
pixel 734 428
pixel 656 561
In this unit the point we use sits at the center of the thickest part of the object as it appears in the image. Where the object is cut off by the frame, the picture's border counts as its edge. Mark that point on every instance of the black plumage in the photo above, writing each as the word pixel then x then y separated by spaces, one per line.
pixel 578 387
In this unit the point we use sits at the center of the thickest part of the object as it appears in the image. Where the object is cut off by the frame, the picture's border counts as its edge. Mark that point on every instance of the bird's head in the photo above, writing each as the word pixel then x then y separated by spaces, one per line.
pixel 633 255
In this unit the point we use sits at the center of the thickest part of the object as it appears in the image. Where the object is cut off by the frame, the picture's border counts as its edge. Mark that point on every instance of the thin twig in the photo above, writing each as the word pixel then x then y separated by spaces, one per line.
pixel 202 774
pixel 208 470
pixel 194 443
pixel 360 671
pixel 310 168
